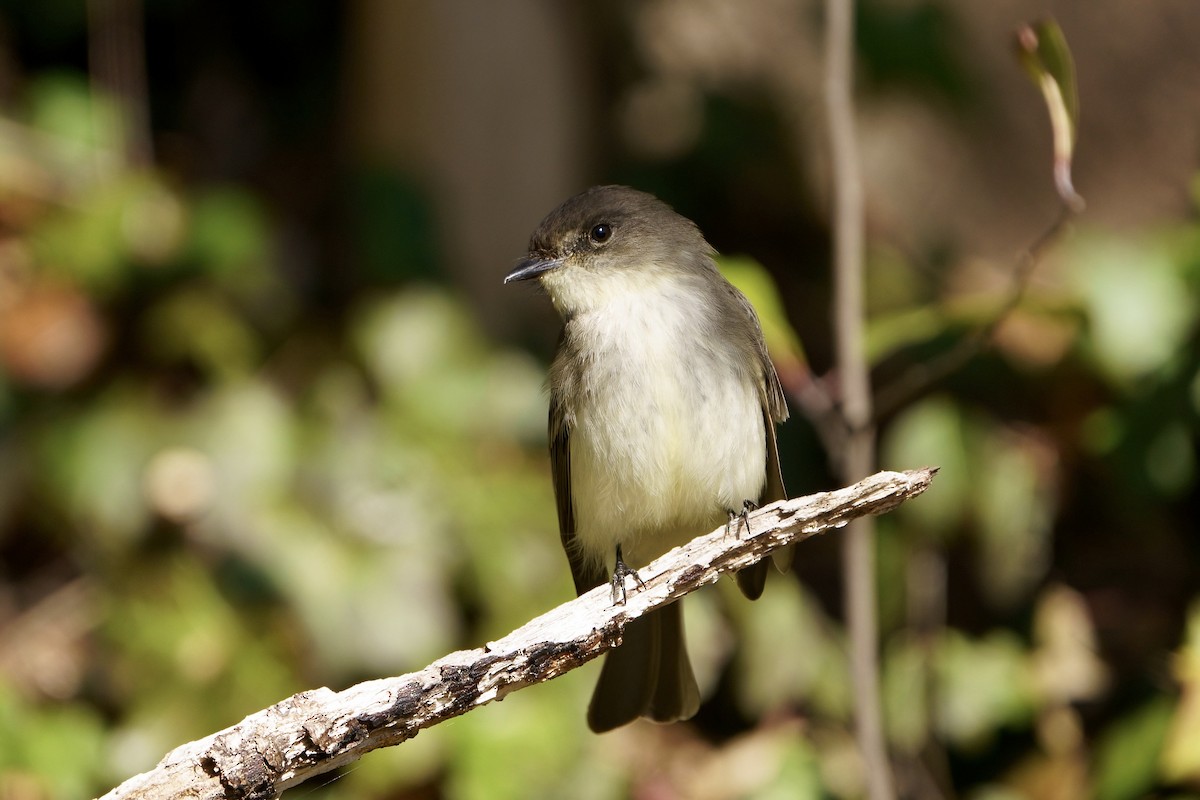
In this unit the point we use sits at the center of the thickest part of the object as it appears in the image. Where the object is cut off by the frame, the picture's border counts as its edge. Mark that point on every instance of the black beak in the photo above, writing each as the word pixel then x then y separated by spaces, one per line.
pixel 532 267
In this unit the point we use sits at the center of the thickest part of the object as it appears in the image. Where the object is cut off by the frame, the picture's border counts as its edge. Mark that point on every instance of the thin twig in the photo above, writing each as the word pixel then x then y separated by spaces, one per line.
pixel 858 455
pixel 811 395
pixel 117 61
pixel 919 377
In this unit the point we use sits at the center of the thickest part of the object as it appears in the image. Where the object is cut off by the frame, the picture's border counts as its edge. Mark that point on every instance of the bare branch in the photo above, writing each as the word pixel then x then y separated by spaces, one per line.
pixel 319 730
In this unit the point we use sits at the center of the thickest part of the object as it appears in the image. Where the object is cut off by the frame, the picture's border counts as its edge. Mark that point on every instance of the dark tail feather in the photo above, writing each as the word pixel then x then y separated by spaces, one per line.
pixel 676 695
pixel 752 579
pixel 648 675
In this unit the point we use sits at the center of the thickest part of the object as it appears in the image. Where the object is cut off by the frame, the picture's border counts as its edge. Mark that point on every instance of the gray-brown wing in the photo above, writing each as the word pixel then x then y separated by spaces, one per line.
pixel 586 576
pixel 752 579
pixel 739 321
pixel 775 410
pixel 775 489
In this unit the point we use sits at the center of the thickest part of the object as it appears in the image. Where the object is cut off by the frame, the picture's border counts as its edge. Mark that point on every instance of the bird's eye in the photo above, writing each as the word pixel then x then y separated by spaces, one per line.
pixel 600 233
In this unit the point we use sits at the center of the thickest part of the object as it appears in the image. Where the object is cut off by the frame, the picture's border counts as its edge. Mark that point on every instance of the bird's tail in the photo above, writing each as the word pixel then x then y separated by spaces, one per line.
pixel 649 675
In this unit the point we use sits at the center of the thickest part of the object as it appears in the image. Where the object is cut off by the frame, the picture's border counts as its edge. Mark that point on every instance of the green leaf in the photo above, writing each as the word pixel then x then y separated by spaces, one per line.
pixel 1014 509
pixel 1181 750
pixel 906 693
pixel 933 431
pixel 1127 758
pixel 1139 307
pixel 807 665
pixel 229 237
pixel 982 685
pixel 203 326
pixel 83 130
pixel 1042 49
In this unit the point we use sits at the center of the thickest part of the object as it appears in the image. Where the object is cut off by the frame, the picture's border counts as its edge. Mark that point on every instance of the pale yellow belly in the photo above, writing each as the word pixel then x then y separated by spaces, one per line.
pixel 662 465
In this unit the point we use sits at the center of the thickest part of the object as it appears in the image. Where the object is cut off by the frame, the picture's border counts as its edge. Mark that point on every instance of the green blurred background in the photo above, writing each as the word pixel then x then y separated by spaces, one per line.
pixel 268 420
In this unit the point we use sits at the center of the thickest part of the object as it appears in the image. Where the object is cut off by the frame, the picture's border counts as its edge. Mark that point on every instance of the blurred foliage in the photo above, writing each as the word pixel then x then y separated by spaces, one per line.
pixel 188 536
pixel 227 475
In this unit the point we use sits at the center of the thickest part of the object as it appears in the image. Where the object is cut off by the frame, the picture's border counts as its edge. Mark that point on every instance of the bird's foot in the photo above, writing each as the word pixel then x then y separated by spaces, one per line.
pixel 743 517
pixel 620 572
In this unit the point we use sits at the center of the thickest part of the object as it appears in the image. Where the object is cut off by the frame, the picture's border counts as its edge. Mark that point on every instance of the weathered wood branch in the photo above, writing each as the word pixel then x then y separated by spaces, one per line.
pixel 319 730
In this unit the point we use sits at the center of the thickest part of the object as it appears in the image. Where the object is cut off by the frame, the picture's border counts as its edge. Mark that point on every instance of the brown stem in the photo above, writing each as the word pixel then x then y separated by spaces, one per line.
pixel 858 455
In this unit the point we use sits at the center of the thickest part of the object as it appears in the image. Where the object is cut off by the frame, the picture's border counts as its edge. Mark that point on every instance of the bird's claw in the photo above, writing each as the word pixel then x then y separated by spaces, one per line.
pixel 620 572
pixel 743 517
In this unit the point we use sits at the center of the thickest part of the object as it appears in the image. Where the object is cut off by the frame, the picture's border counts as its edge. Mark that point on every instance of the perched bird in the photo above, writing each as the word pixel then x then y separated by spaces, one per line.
pixel 663 405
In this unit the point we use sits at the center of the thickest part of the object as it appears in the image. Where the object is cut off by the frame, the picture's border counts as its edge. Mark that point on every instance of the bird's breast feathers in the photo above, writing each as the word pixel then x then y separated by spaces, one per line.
pixel 666 425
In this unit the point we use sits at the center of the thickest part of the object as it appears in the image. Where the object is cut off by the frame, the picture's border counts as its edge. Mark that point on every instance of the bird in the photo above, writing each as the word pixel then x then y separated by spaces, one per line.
pixel 663 404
